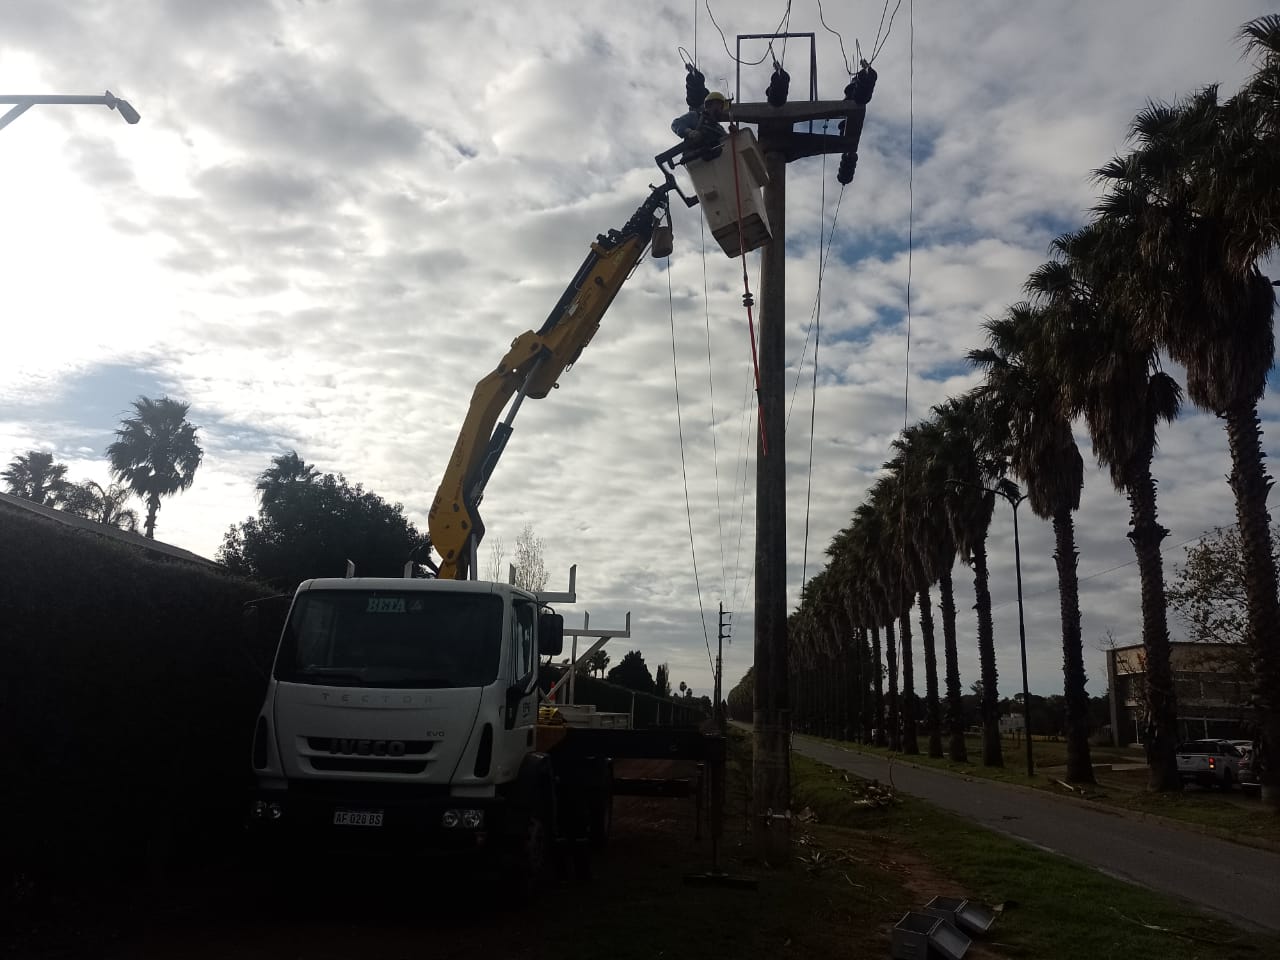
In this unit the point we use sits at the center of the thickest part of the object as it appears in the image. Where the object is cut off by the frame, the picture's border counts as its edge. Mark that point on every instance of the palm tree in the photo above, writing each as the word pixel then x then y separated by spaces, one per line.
pixel 285 469
pixel 1111 374
pixel 1021 389
pixel 91 501
pixel 156 453
pixel 935 551
pixel 860 555
pixel 969 508
pixel 904 571
pixel 1199 194
pixel 598 663
pixel 34 476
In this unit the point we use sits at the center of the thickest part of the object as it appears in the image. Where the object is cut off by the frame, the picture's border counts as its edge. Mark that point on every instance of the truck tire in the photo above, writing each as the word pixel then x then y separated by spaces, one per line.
pixel 601 824
pixel 535 852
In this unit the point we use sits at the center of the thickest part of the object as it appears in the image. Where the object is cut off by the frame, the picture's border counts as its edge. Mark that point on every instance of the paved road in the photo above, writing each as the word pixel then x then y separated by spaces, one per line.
pixel 1241 883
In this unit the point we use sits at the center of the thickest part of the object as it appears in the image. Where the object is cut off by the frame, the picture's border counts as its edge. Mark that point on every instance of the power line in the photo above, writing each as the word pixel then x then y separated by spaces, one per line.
pixel 1103 573
pixel 745 438
pixel 711 384
pixel 786 16
pixel 847 67
pixel 684 473
pixel 875 52
pixel 911 208
pixel 813 393
pixel 814 312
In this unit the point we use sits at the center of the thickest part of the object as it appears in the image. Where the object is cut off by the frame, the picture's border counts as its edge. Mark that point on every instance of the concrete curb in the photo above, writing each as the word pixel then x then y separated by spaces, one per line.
pixel 1260 843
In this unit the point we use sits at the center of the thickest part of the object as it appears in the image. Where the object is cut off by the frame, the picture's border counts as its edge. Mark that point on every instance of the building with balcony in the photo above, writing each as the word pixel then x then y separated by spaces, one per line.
pixel 1211 682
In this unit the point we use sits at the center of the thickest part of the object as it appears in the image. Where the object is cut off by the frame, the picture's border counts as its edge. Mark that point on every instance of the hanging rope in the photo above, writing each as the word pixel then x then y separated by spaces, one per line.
pixel 745 436
pixel 684 472
pixel 813 396
pixel 747 300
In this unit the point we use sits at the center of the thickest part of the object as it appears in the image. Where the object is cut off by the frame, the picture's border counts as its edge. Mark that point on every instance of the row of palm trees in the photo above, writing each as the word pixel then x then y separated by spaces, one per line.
pixel 1169 266
pixel 155 455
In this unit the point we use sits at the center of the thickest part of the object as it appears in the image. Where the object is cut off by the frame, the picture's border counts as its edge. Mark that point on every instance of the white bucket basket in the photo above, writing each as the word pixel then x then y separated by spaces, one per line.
pixel 713 180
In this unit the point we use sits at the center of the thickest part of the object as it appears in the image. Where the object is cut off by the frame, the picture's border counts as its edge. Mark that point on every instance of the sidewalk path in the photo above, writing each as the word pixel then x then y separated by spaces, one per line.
pixel 1241 883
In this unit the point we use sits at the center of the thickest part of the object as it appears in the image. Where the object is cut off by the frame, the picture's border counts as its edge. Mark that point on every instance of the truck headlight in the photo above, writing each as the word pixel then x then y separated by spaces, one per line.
pixel 450 819
pixel 473 819
pixel 275 811
pixel 258 810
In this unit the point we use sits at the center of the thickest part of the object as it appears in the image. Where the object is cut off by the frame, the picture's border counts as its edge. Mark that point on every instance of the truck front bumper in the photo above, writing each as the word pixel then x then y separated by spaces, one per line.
pixel 402 820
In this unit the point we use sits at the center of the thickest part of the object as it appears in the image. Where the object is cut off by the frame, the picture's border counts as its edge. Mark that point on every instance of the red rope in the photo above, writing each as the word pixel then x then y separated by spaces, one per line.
pixel 747 299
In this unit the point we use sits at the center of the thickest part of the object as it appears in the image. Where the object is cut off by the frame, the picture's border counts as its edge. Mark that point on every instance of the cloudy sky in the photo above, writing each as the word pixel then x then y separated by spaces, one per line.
pixel 335 216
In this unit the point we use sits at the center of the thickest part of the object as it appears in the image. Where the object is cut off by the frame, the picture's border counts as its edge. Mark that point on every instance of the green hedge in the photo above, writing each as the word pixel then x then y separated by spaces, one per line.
pixel 128 705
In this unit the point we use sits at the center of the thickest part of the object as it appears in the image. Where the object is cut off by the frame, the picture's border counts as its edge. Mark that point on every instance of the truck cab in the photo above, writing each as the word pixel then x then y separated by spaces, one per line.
pixel 401 714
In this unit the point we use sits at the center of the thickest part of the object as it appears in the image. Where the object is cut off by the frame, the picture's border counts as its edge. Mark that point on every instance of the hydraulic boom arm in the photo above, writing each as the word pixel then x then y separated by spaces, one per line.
pixel 530 369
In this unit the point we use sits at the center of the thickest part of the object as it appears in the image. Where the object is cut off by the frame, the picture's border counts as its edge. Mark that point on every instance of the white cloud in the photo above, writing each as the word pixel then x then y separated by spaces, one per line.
pixel 333 218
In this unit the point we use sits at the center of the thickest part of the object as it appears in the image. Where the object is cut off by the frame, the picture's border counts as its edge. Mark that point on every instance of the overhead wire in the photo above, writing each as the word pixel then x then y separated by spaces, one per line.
pixel 706 302
pixel 711 387
pixel 881 41
pixel 847 66
pixel 1103 573
pixel 684 472
pixel 813 313
pixel 911 165
pixel 745 438
pixel 786 15
pixel 900 640
pixel 813 395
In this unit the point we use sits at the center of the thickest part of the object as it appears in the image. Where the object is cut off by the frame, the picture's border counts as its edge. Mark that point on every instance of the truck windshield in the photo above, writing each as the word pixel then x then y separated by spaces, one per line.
pixel 392 638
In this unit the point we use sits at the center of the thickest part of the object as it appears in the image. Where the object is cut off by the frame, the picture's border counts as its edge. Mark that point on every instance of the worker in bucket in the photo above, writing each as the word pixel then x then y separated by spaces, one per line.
pixel 702 128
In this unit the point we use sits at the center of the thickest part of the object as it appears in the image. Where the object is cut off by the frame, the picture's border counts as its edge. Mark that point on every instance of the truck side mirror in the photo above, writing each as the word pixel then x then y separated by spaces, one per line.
pixel 550 634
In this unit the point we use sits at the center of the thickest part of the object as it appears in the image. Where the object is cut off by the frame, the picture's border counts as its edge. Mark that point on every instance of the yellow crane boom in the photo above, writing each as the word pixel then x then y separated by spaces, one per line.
pixel 530 369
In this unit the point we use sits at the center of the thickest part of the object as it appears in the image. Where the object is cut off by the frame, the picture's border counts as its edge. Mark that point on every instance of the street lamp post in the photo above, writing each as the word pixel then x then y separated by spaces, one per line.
pixel 1015 501
pixel 24 102
pixel 1010 492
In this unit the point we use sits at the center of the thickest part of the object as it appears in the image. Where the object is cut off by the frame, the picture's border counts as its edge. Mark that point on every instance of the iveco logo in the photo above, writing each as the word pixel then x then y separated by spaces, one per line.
pixel 368 748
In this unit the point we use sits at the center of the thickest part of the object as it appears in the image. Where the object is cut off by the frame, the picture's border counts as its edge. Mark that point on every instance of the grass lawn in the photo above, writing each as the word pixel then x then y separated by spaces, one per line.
pixel 1239 814
pixel 1055 908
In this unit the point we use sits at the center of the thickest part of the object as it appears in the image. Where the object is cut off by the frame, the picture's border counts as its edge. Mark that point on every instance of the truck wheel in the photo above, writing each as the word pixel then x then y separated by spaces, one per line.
pixel 602 813
pixel 535 850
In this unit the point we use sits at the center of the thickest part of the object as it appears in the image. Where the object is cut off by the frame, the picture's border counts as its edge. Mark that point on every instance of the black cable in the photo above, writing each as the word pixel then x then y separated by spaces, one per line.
pixel 684 473
pixel 879 28
pixel 711 384
pixel 813 395
pixel 746 437
pixel 1103 573
pixel 911 166
pixel 768 50
pixel 847 67
pixel 814 312
pixel 876 52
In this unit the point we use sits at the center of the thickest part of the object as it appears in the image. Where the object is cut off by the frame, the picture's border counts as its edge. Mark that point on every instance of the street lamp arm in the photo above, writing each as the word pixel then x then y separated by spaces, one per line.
pixel 25 101
pixel 1006 489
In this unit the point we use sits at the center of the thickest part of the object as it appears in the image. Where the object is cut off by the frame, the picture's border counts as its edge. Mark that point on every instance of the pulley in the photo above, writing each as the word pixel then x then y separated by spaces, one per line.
pixel 779 84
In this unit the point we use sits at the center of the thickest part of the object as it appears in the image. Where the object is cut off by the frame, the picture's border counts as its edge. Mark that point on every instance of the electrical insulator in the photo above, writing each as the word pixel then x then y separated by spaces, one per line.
pixel 779 84
pixel 861 85
pixel 848 162
pixel 695 87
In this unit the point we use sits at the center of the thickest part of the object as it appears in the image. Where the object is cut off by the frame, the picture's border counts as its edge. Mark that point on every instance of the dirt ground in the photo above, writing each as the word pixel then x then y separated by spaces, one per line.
pixel 635 903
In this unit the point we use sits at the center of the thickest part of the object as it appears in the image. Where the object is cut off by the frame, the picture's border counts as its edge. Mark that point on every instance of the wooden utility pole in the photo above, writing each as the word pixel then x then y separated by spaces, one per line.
pixel 771 771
